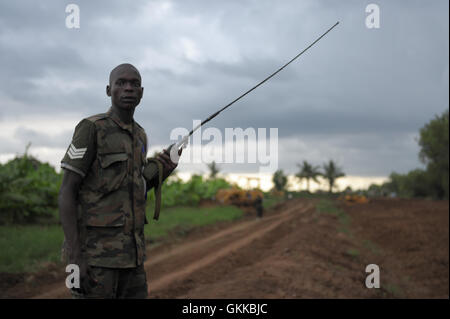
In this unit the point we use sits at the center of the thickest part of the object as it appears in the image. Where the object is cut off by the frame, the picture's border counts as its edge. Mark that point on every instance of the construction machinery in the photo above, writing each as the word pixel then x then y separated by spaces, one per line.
pixel 238 197
pixel 355 199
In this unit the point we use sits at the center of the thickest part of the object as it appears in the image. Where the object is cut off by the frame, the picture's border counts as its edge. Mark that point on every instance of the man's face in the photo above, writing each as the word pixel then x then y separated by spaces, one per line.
pixel 125 88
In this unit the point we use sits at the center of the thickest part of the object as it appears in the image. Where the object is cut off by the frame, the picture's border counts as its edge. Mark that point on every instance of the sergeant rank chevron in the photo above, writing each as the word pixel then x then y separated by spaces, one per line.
pixel 76 152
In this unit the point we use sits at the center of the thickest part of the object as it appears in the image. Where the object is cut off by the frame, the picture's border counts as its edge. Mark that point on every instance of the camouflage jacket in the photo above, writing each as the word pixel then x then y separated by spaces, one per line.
pixel 110 156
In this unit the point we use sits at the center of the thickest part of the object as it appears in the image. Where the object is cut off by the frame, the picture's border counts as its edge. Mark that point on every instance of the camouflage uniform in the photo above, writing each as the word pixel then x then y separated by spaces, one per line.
pixel 113 283
pixel 110 155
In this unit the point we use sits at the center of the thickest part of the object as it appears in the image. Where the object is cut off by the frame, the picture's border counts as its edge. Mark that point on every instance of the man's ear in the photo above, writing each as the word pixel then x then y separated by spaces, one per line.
pixel 142 92
pixel 108 90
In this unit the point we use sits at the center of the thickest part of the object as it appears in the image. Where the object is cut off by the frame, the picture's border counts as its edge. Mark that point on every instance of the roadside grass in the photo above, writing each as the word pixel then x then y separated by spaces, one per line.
pixel 372 247
pixel 315 195
pixel 29 248
pixel 393 290
pixel 181 219
pixel 327 206
pixel 24 248
pixel 270 201
pixel 353 252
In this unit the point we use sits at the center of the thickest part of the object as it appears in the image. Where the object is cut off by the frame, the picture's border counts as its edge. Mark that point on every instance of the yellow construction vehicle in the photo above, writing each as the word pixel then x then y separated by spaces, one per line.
pixel 235 196
pixel 241 198
pixel 355 199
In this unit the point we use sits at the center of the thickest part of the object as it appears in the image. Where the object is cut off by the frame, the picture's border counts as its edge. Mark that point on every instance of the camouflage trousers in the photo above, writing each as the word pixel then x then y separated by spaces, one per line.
pixel 115 283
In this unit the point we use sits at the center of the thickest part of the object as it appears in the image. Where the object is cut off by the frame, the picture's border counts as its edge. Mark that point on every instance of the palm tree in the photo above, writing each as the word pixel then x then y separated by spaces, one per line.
pixel 331 173
pixel 213 170
pixel 308 171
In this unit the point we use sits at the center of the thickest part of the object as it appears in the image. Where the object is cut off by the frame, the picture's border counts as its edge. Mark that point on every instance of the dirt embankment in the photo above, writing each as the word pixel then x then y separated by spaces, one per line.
pixel 296 252
pixel 409 240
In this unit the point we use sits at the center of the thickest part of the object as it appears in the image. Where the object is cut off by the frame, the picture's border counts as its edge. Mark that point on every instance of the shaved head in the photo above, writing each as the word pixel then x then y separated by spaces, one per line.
pixel 125 87
pixel 121 67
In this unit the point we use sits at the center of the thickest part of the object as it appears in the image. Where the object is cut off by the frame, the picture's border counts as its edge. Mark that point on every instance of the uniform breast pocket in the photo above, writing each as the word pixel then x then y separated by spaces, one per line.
pixel 112 171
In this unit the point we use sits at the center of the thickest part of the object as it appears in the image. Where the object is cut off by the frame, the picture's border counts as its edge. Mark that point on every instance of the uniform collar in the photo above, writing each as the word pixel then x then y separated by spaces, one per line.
pixel 115 118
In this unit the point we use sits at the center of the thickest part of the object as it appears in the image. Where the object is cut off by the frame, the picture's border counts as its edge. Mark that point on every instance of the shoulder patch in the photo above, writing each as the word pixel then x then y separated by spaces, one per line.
pixel 75 153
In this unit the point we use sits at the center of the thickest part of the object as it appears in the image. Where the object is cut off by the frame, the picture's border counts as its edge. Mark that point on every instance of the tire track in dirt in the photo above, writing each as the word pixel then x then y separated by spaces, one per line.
pixel 186 258
pixel 238 237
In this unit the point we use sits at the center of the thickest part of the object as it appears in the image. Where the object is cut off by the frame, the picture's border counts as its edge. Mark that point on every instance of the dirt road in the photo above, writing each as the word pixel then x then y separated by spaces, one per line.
pixel 296 252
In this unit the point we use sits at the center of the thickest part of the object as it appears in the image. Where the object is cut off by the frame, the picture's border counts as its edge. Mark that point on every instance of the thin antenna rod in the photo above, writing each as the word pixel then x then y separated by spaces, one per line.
pixel 185 139
pixel 260 83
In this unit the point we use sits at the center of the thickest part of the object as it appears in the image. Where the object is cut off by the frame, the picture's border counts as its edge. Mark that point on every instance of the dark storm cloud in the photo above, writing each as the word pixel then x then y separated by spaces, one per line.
pixel 25 136
pixel 195 56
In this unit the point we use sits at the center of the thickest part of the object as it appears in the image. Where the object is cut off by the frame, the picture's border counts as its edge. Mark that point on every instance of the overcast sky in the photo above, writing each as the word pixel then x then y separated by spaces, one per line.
pixel 359 96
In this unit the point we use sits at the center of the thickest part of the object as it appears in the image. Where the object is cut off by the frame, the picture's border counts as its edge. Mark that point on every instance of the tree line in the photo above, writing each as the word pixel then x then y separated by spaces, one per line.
pixel 29 188
pixel 433 180
pixel 430 182
pixel 330 171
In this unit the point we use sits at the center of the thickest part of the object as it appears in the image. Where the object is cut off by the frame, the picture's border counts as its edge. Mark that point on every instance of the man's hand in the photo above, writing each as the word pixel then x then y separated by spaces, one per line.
pixel 67 201
pixel 86 278
pixel 168 165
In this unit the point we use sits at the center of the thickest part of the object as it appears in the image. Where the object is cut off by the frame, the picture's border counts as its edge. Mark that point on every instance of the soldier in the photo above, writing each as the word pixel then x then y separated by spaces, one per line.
pixel 259 207
pixel 103 194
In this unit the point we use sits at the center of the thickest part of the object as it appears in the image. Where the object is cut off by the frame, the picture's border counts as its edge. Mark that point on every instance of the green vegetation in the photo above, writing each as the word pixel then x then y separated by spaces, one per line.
pixel 432 182
pixel 327 206
pixel 434 153
pixel 308 171
pixel 269 200
pixel 30 234
pixel 213 169
pixel 353 252
pixel 331 172
pixel 24 248
pixel 369 245
pixel 392 289
pixel 176 192
pixel 28 190
pixel 316 195
pixel 181 219
pixel 279 180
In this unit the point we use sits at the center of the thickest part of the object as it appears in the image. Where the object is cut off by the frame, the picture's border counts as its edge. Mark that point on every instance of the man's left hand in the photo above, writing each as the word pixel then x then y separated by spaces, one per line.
pixel 168 165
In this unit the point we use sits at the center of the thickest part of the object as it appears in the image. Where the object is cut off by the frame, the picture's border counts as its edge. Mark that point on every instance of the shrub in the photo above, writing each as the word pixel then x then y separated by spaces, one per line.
pixel 28 190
